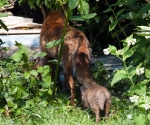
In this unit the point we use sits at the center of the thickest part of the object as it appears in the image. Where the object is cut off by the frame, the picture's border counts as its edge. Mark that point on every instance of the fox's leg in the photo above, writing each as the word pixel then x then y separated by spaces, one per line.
pixel 68 71
pixel 69 79
pixel 96 109
pixel 107 107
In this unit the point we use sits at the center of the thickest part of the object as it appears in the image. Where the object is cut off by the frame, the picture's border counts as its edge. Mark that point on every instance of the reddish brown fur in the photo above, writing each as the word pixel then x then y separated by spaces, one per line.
pixel 39 62
pixel 97 98
pixel 76 52
pixel 75 43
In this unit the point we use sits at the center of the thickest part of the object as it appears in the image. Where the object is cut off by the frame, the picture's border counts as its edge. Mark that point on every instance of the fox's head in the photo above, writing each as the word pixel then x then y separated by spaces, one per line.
pixel 57 16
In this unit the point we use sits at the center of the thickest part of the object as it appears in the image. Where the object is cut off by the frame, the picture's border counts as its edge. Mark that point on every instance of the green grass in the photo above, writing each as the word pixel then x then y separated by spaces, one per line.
pixel 64 115
pixel 60 113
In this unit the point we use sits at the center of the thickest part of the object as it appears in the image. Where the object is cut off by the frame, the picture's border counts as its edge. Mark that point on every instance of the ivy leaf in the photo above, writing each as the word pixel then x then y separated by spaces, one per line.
pixel 112 25
pixel 73 4
pixel 121 74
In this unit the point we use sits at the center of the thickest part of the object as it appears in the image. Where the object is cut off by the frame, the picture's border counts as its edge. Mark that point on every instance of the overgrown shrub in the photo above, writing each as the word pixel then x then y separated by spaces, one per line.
pixel 20 86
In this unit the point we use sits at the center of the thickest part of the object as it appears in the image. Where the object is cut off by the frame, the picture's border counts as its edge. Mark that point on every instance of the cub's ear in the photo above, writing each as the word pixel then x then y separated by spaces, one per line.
pixel 37 60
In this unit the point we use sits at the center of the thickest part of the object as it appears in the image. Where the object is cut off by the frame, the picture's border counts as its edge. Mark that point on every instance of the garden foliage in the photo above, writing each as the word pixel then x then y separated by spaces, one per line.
pixel 134 54
pixel 21 89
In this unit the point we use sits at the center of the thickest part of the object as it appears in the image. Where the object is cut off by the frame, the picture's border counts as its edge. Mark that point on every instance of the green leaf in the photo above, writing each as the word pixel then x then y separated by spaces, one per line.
pixel 19 80
pixel 130 2
pixel 97 19
pixel 120 74
pixel 126 16
pixel 32 81
pixel 40 69
pixel 16 57
pixel 120 12
pixel 78 18
pixel 89 16
pixel 27 75
pixel 147 54
pixel 146 34
pixel 34 73
pixel 112 25
pixel 73 4
pixel 143 28
pixel 107 10
pixel 139 89
pixel 83 7
pixel 18 95
pixel 22 49
pixel 144 9
pixel 14 90
pixel 131 71
pixel 83 17
pixel 139 119
pixel 46 69
pixel 128 54
pixel 112 49
pixel 25 95
pixel 10 103
pixel 40 54
pixel 54 43
pixel 147 73
pixel 3 25
pixel 47 81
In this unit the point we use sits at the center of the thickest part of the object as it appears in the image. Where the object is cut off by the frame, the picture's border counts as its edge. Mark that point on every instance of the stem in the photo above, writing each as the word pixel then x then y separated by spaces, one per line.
pixel 125 67
pixel 60 54
pixel 129 79
pixel 116 19
pixel 95 39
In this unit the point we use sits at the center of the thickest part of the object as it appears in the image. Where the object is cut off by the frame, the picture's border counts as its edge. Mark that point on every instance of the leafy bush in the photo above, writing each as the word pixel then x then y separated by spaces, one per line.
pixel 20 86
pixel 21 90
pixel 134 55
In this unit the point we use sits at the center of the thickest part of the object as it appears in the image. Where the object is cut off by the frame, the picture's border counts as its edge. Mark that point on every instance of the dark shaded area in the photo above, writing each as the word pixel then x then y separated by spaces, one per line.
pixel 97 32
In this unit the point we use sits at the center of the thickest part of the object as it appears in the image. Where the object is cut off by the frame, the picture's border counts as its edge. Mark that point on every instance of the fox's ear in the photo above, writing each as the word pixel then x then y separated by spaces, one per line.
pixel 63 10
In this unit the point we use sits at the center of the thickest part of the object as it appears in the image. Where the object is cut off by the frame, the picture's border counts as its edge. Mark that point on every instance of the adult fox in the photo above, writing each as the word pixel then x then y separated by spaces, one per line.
pixel 76 46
